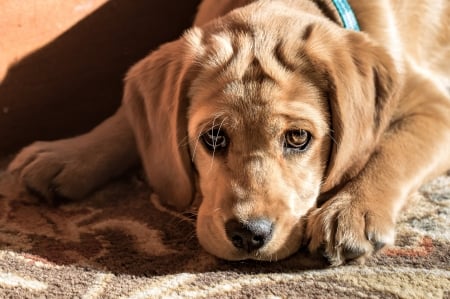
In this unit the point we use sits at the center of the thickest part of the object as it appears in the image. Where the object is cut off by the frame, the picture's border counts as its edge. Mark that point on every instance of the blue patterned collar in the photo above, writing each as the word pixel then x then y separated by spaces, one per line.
pixel 346 13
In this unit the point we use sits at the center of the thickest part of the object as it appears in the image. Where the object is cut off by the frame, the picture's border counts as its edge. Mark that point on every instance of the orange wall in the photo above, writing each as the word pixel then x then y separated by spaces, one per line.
pixel 62 62
pixel 26 25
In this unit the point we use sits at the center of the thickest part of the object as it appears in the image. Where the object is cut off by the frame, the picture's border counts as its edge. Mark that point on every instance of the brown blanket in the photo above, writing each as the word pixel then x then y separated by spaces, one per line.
pixel 120 243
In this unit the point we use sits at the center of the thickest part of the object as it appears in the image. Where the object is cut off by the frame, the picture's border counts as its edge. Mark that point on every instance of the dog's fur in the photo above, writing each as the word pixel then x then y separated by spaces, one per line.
pixel 375 103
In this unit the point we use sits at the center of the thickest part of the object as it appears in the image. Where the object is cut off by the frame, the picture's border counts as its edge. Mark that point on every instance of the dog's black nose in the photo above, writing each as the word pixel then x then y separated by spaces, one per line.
pixel 250 235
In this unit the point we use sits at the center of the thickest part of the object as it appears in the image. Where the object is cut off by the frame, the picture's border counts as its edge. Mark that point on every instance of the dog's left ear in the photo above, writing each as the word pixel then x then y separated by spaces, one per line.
pixel 363 84
pixel 156 102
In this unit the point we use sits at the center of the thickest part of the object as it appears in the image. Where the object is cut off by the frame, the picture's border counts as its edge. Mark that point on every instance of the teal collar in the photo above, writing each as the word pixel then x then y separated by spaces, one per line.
pixel 346 13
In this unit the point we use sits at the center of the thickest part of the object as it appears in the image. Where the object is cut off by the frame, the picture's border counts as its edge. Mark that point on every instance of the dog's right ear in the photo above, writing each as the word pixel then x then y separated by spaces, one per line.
pixel 156 102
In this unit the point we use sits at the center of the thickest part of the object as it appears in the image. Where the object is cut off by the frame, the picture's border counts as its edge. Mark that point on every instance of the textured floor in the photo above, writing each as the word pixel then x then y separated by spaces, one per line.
pixel 121 243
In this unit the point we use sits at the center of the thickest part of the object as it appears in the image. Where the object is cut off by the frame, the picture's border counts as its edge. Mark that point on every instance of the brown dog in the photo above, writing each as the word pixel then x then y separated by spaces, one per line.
pixel 288 127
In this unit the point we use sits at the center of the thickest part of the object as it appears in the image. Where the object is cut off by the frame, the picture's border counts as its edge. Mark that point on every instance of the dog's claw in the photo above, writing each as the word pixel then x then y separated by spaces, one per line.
pixel 351 253
pixel 344 232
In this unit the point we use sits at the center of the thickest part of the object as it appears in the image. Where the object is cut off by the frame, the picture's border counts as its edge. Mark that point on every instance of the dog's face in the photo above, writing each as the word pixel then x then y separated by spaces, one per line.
pixel 260 143
pixel 260 147
pixel 269 101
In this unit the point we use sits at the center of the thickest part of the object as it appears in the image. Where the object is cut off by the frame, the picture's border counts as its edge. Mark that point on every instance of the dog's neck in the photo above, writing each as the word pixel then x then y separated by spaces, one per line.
pixel 338 11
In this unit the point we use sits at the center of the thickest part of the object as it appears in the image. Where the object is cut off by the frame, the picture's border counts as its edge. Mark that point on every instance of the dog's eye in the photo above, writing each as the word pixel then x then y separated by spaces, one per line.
pixel 297 140
pixel 215 140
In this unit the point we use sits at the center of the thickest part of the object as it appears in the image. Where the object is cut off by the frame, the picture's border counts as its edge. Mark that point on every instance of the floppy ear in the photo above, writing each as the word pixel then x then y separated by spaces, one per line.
pixel 156 102
pixel 363 82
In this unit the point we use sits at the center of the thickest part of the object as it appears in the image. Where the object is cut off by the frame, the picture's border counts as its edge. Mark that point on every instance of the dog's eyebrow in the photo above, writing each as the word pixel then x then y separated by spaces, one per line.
pixel 218 120
pixel 298 122
pixel 305 115
pixel 294 117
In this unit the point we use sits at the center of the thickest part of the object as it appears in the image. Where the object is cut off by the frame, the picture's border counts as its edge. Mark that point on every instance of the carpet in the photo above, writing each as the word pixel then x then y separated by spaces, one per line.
pixel 121 243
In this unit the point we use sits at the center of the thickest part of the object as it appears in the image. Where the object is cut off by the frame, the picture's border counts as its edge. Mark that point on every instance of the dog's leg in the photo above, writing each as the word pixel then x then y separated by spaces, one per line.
pixel 360 218
pixel 71 168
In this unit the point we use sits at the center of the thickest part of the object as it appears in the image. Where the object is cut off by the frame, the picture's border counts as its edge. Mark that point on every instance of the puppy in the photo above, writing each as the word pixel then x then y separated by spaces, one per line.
pixel 292 121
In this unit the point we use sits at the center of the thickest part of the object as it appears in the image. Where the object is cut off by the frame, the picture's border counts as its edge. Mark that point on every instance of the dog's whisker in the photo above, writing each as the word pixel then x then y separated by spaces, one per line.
pixel 192 213
pixel 331 137
pixel 184 141
pixel 190 236
pixel 214 147
pixel 197 139
pixel 179 220
pixel 215 140
pixel 196 142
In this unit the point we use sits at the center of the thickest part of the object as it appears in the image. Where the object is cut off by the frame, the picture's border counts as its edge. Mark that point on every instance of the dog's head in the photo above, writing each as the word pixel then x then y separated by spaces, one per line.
pixel 258 113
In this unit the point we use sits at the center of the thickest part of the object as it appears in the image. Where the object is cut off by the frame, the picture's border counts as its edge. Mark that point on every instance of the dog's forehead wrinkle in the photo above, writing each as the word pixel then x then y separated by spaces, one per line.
pixel 246 57
pixel 194 38
pixel 221 50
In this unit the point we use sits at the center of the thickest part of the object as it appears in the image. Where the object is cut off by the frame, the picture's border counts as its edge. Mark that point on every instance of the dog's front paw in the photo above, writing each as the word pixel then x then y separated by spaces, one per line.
pixel 347 229
pixel 54 170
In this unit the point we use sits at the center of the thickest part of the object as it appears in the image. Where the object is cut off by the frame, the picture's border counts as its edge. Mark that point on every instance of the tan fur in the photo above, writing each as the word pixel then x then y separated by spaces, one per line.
pixel 375 103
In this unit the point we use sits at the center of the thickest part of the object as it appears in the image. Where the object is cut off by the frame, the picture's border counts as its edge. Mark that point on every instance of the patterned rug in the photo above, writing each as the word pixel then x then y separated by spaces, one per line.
pixel 121 243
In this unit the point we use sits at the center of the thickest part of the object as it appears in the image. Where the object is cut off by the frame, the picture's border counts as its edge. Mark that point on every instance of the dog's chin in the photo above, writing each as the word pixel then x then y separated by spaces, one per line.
pixel 212 237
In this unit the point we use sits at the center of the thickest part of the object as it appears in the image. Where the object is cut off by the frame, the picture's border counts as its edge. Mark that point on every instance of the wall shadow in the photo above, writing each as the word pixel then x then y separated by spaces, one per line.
pixel 72 83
